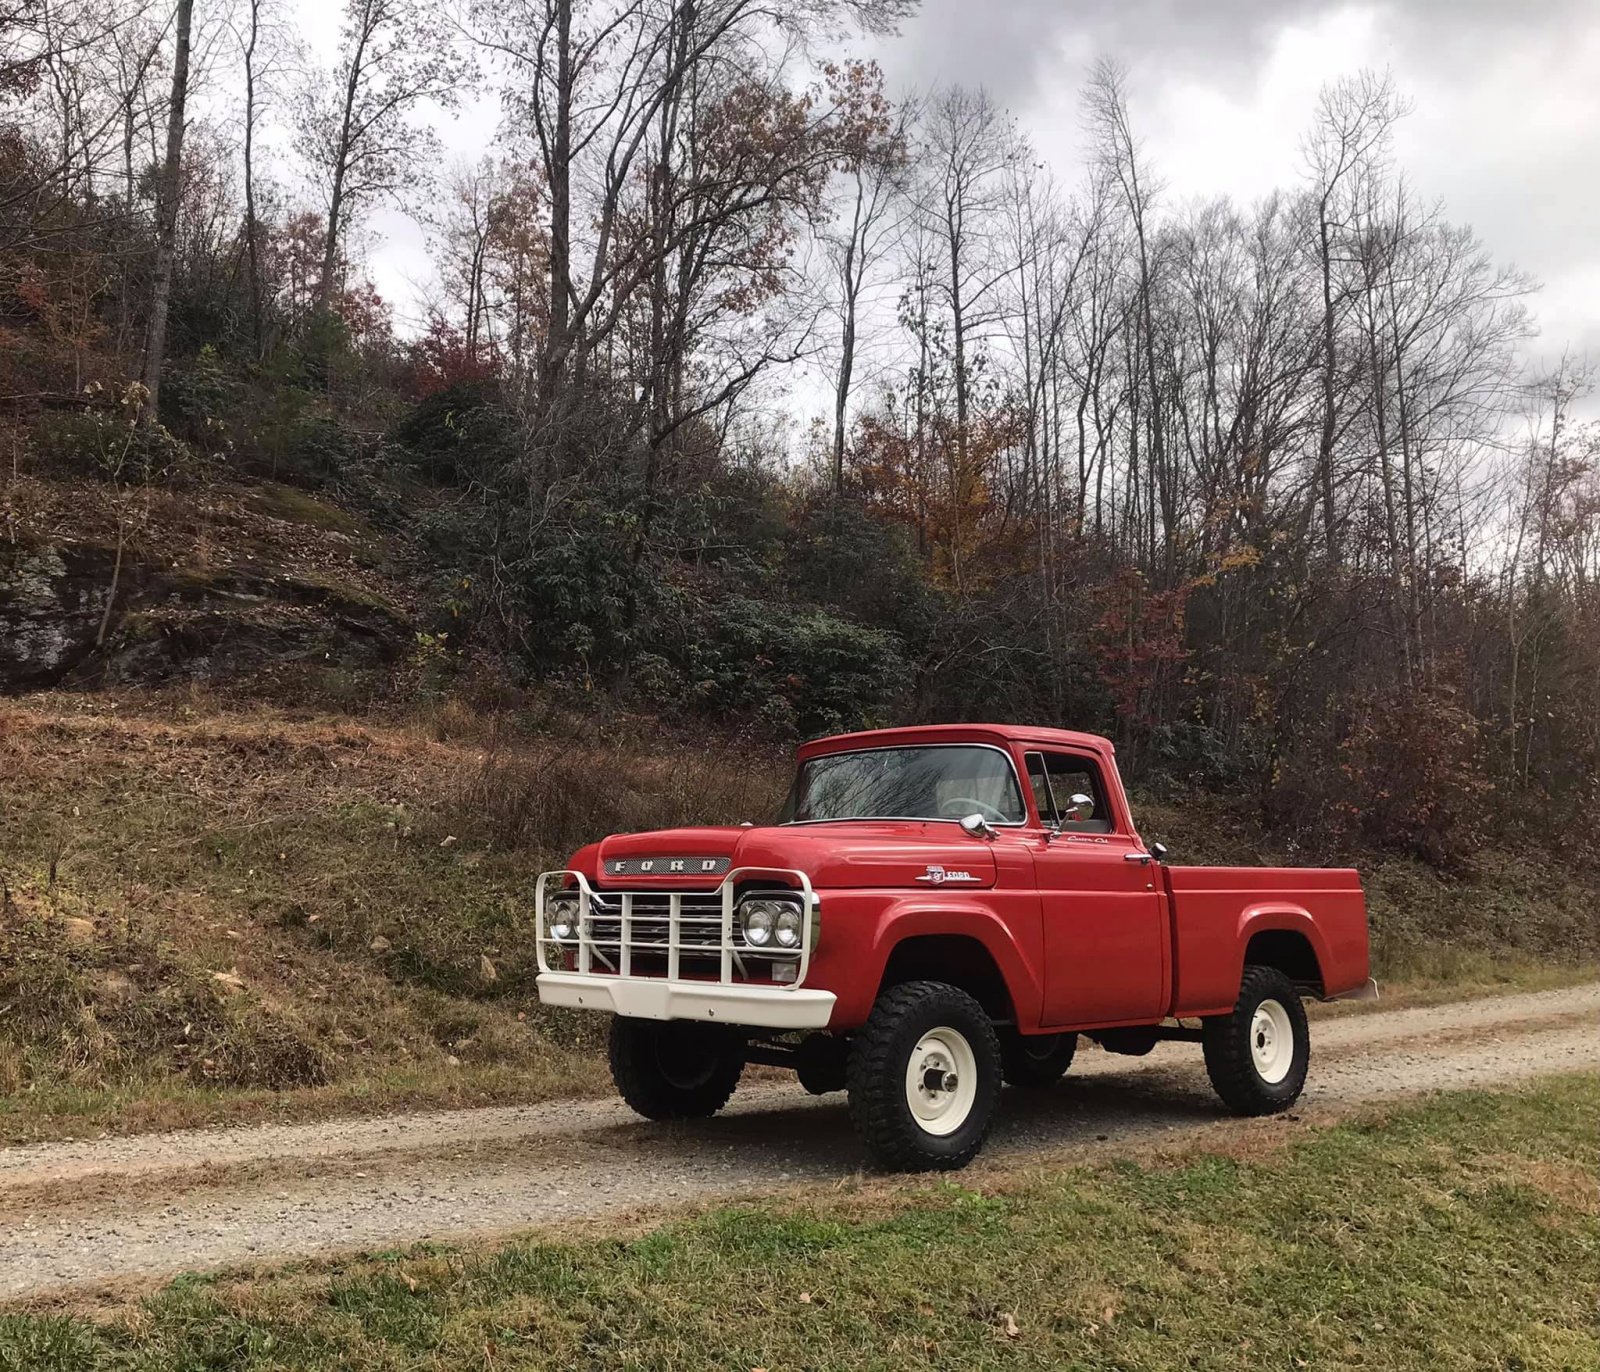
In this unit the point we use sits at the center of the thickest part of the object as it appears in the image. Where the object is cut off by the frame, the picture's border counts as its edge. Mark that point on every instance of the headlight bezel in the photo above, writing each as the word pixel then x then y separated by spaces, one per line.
pixel 772 917
pixel 563 914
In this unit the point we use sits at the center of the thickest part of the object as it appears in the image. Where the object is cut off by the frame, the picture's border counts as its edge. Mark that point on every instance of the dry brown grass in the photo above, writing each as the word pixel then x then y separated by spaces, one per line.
pixel 217 909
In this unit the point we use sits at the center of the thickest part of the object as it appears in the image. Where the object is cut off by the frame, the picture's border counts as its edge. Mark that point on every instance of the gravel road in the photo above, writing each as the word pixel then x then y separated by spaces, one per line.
pixel 115 1211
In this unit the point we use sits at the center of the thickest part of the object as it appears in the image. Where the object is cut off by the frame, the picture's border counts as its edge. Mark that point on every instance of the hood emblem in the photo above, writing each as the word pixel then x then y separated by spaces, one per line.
pixel 940 876
pixel 667 866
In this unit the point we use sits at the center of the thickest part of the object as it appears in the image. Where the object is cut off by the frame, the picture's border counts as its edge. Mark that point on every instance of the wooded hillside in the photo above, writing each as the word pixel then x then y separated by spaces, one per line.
pixel 1271 492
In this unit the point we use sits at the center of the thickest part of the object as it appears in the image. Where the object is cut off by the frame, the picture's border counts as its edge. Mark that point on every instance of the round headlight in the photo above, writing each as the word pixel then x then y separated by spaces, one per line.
pixel 757 919
pixel 790 923
pixel 562 914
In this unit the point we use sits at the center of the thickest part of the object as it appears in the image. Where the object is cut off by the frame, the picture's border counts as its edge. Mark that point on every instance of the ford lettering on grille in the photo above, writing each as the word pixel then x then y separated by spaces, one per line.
pixel 667 866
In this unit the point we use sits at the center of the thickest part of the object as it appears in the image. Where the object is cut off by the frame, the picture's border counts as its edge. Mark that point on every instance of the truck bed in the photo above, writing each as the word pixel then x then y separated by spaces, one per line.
pixel 1215 911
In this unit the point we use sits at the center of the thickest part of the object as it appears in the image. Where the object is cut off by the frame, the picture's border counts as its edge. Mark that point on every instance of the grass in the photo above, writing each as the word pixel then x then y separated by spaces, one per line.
pixel 209 913
pixel 1463 1232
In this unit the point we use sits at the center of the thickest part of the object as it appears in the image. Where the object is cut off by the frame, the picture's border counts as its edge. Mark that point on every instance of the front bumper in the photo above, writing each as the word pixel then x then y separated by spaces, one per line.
pixel 651 998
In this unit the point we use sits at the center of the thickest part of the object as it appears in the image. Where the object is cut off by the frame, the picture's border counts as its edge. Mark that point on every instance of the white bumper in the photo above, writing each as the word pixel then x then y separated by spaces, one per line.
pixel 657 998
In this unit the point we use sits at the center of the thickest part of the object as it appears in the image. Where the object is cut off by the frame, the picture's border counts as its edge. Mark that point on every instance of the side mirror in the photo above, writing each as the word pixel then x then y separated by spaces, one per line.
pixel 1158 851
pixel 1079 808
pixel 976 825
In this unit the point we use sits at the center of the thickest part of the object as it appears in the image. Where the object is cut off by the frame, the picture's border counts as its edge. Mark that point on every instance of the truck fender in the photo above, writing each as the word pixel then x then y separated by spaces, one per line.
pixel 912 919
pixel 1275 916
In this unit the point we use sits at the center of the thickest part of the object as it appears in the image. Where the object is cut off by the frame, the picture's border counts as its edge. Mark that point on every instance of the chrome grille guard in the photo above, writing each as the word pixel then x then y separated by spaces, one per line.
pixel 701 924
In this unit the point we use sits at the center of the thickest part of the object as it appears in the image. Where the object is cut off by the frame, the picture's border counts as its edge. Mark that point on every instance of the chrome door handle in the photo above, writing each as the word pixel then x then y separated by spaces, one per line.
pixel 1136 857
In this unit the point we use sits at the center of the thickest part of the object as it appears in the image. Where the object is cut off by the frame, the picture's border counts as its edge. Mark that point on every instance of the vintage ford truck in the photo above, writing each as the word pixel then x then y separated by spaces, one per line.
pixel 937 910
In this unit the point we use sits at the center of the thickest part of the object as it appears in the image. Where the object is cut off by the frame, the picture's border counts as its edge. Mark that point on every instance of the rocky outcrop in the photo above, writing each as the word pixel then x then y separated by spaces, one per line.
pixel 174 623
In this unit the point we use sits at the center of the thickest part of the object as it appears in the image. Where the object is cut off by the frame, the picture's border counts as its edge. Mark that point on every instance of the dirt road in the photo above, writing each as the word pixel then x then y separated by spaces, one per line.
pixel 77 1214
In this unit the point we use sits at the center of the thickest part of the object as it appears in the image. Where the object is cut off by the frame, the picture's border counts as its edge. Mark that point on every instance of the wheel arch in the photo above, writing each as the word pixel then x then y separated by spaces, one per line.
pixel 958 959
pixel 1288 946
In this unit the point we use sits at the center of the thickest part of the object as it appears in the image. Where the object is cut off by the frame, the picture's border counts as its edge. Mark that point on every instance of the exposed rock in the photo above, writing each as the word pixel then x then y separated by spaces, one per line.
pixel 50 612
pixel 174 624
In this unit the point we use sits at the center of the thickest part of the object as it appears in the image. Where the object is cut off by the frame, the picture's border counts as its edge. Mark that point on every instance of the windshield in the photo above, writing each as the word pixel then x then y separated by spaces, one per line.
pixel 934 782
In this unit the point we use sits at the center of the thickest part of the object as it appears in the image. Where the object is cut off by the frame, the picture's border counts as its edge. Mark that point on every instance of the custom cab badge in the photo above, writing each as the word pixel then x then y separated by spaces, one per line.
pixel 939 876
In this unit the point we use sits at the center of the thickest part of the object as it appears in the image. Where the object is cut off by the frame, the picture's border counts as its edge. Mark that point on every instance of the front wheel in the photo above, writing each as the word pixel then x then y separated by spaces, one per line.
pixel 924 1076
pixel 674 1069
pixel 1257 1056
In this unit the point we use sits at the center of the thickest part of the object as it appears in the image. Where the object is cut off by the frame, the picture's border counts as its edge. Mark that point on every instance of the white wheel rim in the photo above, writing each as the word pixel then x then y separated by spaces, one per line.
pixel 1271 1041
pixel 941 1081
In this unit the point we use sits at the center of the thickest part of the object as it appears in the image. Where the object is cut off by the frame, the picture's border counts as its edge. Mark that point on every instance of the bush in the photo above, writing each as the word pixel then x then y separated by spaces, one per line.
pixel 840 556
pixel 302 446
pixel 460 432
pixel 197 400
pixel 1406 776
pixel 793 670
pixel 108 447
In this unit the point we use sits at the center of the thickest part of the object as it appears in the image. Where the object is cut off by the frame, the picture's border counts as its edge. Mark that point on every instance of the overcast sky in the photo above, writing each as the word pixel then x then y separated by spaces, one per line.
pixel 1505 127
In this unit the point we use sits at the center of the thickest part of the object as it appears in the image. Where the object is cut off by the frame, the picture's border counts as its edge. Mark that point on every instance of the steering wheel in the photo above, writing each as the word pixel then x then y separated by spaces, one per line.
pixel 966 805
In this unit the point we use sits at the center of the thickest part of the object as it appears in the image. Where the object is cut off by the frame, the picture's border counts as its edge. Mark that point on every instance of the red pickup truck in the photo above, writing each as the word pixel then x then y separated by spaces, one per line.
pixel 936 910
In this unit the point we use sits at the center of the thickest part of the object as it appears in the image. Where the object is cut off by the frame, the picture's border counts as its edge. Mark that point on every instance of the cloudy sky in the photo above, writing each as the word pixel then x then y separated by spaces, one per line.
pixel 1505 127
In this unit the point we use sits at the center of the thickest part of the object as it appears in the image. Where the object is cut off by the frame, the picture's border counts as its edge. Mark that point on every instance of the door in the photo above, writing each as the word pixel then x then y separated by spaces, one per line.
pixel 1105 928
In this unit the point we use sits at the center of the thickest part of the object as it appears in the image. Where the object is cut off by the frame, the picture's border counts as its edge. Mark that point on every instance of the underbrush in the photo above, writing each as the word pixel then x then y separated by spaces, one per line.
pixel 1458 1233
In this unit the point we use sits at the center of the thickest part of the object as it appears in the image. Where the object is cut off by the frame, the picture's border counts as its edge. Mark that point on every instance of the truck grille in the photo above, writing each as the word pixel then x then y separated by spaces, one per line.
pixel 692 935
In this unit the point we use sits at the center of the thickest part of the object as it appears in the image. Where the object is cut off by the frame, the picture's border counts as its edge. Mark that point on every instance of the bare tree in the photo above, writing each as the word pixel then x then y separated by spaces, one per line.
pixel 859 240
pixel 362 143
pixel 167 215
pixel 1348 144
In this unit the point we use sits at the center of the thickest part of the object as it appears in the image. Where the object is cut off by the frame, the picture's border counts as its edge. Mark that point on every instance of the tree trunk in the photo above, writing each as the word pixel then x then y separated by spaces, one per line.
pixel 558 345
pixel 167 218
pixel 1329 367
pixel 252 238
pixel 330 246
pixel 847 349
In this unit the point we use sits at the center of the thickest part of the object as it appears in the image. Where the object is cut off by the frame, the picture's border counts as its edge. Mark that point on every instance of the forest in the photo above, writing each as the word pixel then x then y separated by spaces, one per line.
pixel 756 397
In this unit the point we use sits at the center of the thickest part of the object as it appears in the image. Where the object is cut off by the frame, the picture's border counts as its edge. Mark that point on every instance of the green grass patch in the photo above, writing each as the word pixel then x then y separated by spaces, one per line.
pixel 1463 1232
pixel 296 506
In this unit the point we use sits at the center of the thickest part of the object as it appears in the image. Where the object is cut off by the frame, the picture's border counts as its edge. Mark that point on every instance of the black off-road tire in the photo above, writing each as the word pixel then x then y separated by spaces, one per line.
pixel 880 1057
pixel 1034 1061
pixel 674 1069
pixel 1231 1060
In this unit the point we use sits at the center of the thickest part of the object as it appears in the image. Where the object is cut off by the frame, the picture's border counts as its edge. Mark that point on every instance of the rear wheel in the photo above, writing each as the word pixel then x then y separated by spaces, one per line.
pixel 674 1069
pixel 924 1076
pixel 1037 1060
pixel 1257 1056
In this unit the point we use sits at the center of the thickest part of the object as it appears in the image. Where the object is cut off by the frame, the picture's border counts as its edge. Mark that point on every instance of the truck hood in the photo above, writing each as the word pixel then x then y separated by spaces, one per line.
pixel 847 854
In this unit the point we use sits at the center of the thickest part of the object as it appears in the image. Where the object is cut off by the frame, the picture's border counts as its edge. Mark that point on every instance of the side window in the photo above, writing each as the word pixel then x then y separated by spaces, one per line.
pixel 1067 776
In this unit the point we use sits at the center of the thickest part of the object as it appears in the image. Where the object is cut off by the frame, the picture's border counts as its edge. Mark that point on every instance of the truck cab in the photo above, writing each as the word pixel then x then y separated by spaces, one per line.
pixel 937 910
